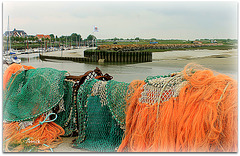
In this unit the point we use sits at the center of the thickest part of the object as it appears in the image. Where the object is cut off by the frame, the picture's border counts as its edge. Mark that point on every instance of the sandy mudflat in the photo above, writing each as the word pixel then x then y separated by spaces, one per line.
pixel 218 64
pixel 225 61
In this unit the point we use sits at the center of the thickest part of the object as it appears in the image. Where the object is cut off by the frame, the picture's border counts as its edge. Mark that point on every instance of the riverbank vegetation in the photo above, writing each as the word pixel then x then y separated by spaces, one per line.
pixel 164 47
pixel 75 39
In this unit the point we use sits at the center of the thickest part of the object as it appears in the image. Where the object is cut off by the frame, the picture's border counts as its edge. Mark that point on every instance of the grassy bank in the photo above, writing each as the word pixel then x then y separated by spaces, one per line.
pixel 221 47
pixel 20 46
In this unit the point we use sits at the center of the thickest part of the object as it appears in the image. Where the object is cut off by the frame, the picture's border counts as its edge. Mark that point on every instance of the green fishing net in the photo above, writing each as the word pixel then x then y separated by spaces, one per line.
pixel 99 119
pixel 84 92
pixel 32 92
pixel 116 100
pixel 66 115
pixel 103 134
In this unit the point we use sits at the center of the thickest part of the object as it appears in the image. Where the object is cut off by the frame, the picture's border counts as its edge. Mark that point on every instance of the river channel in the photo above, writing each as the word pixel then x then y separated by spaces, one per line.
pixel 223 61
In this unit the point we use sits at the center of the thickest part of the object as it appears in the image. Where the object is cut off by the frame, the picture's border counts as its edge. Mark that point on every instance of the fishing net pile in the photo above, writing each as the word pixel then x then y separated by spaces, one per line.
pixel 191 111
pixel 13 69
pixel 101 115
pixel 194 110
pixel 28 102
pixel 67 110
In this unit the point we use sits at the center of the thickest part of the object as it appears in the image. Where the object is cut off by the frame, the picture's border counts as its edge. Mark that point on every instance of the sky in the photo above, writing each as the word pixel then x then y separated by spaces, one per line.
pixel 125 19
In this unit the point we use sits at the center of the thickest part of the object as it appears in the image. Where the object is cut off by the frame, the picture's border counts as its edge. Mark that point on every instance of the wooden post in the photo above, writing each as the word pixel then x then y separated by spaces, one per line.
pixel 126 57
pixel 129 56
pixel 138 56
pixel 111 58
pixel 105 56
pixel 119 56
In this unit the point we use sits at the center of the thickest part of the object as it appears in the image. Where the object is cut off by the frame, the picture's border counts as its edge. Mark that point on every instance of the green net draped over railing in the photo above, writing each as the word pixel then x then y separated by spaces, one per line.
pixel 103 134
pixel 66 117
pixel 84 92
pixel 101 111
pixel 116 100
pixel 30 93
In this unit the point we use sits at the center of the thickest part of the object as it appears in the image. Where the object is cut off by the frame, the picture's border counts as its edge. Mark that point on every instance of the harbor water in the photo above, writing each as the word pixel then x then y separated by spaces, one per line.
pixel 223 61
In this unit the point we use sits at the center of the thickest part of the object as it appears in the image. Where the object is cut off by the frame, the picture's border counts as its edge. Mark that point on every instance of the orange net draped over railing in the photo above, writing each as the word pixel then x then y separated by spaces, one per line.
pixel 202 118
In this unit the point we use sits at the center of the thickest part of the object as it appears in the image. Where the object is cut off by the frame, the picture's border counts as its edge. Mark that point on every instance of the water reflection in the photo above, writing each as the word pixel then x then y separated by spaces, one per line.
pixel 29 58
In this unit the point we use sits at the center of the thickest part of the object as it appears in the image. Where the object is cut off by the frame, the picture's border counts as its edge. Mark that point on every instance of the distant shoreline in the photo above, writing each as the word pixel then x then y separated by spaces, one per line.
pixel 214 47
pixel 223 47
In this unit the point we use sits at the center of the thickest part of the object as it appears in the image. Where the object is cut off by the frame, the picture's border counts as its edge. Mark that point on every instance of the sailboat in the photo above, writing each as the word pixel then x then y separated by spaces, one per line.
pixel 12 58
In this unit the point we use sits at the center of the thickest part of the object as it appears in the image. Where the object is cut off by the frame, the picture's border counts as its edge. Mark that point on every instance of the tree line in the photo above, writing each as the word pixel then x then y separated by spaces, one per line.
pixel 74 37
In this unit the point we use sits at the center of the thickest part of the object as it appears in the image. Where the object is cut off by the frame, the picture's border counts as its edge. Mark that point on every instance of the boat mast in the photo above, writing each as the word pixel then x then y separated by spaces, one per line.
pixel 76 42
pixel 66 42
pixel 8 33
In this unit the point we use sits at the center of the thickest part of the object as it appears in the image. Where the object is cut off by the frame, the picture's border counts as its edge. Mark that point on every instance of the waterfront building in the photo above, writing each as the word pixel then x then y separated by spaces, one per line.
pixel 15 33
pixel 40 36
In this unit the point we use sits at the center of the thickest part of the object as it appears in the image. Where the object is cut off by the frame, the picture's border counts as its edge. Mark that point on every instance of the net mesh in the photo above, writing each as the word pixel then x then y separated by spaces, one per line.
pixel 66 118
pixel 32 92
pixel 161 89
pixel 200 116
pixel 103 133
pixel 116 100
pixel 102 112
pixel 162 113
pixel 84 92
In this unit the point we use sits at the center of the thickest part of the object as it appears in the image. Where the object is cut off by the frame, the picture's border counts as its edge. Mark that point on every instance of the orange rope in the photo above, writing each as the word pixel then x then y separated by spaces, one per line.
pixel 203 118
pixel 9 129
pixel 48 133
pixel 13 68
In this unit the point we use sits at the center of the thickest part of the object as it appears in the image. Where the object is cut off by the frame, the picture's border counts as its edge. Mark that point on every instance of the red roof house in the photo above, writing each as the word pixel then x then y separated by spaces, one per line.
pixel 40 36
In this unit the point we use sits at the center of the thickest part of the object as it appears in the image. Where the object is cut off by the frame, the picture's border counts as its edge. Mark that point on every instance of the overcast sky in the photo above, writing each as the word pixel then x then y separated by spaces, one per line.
pixel 125 19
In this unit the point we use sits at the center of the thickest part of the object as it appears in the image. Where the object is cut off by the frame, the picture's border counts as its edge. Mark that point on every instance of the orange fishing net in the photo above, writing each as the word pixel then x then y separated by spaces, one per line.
pixel 202 118
pixel 44 136
pixel 13 68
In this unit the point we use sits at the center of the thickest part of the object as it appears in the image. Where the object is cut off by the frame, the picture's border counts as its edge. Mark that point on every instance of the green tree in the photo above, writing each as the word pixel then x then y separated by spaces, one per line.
pixel 115 38
pixel 91 37
pixel 17 39
pixel 21 39
pixel 30 38
pixel 75 37
pixel 13 39
pixel 52 36
pixel 137 38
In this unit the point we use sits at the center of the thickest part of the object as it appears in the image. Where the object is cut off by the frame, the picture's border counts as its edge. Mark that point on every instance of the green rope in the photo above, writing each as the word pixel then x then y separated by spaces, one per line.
pixel 44 121
pixel 48 146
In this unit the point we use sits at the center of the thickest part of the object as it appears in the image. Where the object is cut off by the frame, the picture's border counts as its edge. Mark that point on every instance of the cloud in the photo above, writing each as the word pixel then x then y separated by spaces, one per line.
pixel 125 19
